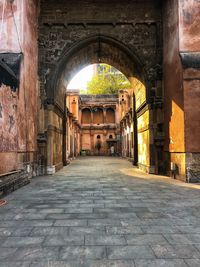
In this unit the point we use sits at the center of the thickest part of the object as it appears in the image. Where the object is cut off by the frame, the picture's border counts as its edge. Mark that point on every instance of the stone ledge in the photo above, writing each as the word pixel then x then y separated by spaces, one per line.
pixel 10 182
pixel 146 168
pixel 190 59
pixel 193 167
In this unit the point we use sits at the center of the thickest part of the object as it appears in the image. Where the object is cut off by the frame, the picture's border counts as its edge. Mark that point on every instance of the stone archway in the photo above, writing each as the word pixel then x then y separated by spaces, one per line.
pixel 150 29
pixel 94 49
pixel 70 40
pixel 91 50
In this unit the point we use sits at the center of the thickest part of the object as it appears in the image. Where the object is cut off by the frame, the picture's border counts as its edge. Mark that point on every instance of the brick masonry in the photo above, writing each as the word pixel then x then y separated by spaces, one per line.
pixel 62 24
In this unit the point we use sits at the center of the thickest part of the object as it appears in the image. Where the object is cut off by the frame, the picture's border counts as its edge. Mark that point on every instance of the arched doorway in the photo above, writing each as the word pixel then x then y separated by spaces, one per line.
pixel 95 49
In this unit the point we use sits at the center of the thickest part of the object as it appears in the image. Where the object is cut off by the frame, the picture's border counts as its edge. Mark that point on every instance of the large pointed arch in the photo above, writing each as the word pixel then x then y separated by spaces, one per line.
pixel 91 50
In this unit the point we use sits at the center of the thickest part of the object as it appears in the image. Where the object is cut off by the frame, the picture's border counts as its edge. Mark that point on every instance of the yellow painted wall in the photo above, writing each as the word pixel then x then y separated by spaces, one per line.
pixel 144 139
pixel 139 91
pixel 143 148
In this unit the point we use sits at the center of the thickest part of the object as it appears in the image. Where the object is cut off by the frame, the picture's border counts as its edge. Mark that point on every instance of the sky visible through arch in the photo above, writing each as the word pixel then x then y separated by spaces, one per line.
pixel 81 79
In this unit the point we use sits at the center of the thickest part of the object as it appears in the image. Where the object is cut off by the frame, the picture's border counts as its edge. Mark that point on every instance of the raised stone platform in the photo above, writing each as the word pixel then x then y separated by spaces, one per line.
pixel 11 181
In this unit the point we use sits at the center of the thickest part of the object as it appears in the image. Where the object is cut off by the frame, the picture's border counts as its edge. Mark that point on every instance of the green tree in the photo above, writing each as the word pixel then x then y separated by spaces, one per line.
pixel 107 80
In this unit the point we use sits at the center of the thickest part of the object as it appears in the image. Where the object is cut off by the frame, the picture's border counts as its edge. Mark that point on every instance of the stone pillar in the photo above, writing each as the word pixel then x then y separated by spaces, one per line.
pixel 92 116
pixel 104 144
pixel 122 137
pixel 81 141
pixel 116 110
pixel 50 142
pixel 67 140
pixel 143 121
pixel 104 115
pixel 191 87
pixel 80 116
pixel 92 142
pixel 130 136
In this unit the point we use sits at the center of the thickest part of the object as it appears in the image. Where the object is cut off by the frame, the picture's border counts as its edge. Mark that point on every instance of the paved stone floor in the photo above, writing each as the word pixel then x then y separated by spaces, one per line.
pixel 101 212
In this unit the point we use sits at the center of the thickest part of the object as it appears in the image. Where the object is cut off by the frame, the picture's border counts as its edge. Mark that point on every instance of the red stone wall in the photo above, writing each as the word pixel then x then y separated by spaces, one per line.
pixel 189 27
pixel 18 126
pixel 174 105
pixel 8 119
pixel 192 115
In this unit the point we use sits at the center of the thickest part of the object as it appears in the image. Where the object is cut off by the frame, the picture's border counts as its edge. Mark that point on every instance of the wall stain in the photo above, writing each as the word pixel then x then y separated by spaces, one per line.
pixel 1 110
pixel 12 122
pixel 8 116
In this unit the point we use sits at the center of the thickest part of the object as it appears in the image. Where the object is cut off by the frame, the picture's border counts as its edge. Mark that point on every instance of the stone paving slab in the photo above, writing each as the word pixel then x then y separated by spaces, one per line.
pixel 130 252
pixel 111 240
pixel 90 263
pixel 160 263
pixel 72 222
pixel 15 264
pixel 145 239
pixel 100 230
pixel 49 231
pixel 82 253
pixel 63 240
pixel 37 254
pixel 183 238
pixel 193 262
pixel 22 242
pixel 7 253
pixel 175 251
pixel 120 230
pixel 101 212
pixel 57 264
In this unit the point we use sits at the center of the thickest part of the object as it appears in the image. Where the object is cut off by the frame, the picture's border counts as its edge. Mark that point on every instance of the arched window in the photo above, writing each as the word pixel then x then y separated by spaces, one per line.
pixel 110 115
pixel 98 136
pixel 98 115
pixel 110 136
pixel 86 116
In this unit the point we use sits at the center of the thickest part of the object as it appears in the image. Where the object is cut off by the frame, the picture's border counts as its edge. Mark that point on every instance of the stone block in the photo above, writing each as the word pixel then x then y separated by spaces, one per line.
pixel 130 252
pixel 123 230
pixel 22 242
pixel 70 223
pixel 99 230
pixel 82 253
pixel 111 240
pixel 159 263
pixel 175 251
pixel 37 253
pixel 49 231
pixel 51 169
pixel 145 239
pixel 63 240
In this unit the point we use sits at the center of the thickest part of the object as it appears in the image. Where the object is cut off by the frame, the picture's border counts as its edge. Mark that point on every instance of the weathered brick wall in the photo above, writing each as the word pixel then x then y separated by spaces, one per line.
pixel 18 110
pixel 137 24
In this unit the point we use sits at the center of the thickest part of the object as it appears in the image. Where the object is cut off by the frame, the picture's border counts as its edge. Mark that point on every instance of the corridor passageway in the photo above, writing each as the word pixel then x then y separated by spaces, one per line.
pixel 101 212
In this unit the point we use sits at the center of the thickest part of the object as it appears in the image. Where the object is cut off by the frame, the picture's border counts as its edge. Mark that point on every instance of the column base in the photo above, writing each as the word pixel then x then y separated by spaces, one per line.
pixel 147 169
pixel 193 167
pixel 51 169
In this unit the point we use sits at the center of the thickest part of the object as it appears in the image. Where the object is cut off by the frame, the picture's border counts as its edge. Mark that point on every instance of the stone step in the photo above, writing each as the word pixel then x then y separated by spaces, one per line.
pixel 11 181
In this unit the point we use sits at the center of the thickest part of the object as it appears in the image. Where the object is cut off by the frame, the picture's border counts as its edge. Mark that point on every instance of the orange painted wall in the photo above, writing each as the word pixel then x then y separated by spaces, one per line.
pixel 173 86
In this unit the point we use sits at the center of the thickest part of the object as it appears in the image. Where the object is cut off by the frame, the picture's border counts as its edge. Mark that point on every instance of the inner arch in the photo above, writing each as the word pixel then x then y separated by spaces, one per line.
pixel 93 50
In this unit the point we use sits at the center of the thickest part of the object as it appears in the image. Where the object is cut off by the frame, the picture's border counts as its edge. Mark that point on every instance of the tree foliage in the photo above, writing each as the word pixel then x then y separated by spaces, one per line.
pixel 107 80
